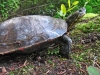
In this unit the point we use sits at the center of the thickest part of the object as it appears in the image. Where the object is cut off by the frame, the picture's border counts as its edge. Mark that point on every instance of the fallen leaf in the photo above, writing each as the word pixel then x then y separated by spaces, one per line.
pixel 4 69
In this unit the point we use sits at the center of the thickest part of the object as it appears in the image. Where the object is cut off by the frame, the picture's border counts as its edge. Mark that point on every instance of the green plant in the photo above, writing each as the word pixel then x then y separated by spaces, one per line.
pixel 8 7
pixel 90 27
pixel 23 71
pixel 93 70
pixel 11 73
pixel 90 5
pixel 64 11
pixel 53 51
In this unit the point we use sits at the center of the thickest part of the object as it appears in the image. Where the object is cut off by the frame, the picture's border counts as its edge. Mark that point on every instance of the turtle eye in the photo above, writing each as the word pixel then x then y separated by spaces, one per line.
pixel 80 10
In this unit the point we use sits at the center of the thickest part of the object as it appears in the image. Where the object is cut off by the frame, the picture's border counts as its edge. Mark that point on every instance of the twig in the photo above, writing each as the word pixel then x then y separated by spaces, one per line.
pixel 82 70
pixel 97 65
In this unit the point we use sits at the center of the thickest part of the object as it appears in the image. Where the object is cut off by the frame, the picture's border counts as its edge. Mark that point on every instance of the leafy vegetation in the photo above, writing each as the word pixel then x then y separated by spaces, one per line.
pixel 86 30
pixel 91 5
pixel 64 11
pixel 92 25
pixel 8 7
pixel 85 36
pixel 54 51
pixel 93 70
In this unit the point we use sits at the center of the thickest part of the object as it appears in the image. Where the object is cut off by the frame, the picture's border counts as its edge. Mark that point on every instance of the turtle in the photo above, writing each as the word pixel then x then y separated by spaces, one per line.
pixel 33 33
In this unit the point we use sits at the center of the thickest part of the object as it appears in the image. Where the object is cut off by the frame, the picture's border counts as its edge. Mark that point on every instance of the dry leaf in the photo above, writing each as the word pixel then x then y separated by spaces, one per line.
pixel 4 69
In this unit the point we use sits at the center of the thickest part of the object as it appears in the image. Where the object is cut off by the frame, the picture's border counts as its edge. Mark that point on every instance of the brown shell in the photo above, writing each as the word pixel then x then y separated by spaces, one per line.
pixel 28 33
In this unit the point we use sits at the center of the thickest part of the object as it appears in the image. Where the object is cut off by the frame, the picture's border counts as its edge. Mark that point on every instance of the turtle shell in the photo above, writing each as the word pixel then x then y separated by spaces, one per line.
pixel 29 33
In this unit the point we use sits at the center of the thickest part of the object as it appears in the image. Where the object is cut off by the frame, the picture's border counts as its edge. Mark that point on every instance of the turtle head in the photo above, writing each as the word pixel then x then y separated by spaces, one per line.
pixel 73 18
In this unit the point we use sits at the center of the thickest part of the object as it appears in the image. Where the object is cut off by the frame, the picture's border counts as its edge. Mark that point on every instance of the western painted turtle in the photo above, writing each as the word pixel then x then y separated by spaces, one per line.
pixel 32 33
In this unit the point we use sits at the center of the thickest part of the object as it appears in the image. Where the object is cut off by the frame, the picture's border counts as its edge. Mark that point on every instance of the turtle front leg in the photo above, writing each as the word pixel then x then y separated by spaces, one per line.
pixel 65 46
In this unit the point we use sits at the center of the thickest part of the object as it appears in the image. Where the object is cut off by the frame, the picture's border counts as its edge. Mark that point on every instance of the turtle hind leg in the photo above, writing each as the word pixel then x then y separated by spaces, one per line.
pixel 65 46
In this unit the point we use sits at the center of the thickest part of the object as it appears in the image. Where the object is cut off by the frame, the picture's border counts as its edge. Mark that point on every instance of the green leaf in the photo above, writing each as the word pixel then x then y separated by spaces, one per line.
pixel 2 5
pixel 93 70
pixel 75 3
pixel 35 1
pixel 63 10
pixel 11 73
pixel 51 5
pixel 2 11
pixel 89 9
pixel 69 3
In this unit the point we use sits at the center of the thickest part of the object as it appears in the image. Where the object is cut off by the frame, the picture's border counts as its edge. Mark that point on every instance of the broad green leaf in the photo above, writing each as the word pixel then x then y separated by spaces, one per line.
pixel 75 3
pixel 63 9
pixel 93 70
pixel 89 9
pixel 69 3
